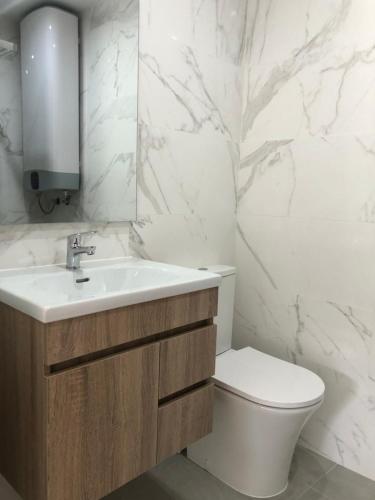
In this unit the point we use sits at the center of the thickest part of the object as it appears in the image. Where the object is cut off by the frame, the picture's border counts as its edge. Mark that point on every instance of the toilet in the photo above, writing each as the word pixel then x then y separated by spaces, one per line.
pixel 262 404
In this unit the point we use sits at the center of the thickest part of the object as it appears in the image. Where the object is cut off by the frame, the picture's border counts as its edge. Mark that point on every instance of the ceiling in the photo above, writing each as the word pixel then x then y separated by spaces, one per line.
pixel 16 9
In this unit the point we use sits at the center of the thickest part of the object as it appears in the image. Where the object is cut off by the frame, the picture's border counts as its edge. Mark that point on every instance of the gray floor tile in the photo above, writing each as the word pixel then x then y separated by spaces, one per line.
pixel 307 468
pixel 6 491
pixel 179 479
pixel 314 495
pixel 343 484
pixel 312 478
pixel 176 479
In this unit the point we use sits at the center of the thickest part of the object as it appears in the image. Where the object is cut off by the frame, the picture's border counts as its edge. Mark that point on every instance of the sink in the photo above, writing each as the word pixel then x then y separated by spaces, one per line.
pixel 52 293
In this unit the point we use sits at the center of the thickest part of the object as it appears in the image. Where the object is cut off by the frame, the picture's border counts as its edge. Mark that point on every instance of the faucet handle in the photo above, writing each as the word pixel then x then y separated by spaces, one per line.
pixel 88 233
pixel 82 235
pixel 74 240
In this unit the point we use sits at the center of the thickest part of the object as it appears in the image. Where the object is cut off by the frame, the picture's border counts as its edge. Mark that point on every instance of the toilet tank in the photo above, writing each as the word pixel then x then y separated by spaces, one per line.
pixel 224 319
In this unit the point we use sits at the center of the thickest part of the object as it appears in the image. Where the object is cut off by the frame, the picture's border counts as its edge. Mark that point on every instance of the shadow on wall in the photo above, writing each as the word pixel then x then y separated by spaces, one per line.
pixel 335 404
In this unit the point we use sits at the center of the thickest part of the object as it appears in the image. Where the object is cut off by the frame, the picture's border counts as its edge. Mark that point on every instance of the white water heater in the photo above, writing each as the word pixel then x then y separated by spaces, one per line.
pixel 50 93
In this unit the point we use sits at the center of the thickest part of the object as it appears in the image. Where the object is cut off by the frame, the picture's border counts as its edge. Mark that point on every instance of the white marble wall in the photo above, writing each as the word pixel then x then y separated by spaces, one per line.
pixel 306 204
pixel 189 112
pixel 189 129
pixel 109 81
pixel 12 205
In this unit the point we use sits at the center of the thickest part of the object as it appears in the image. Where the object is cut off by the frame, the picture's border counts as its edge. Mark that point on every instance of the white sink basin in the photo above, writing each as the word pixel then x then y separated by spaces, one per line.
pixel 52 293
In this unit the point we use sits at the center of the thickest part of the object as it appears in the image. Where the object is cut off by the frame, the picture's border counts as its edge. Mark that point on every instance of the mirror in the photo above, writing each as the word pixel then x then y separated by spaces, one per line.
pixel 68 110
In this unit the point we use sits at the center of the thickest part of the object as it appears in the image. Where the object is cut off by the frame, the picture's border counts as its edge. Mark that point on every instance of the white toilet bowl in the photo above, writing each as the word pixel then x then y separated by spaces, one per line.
pixel 261 406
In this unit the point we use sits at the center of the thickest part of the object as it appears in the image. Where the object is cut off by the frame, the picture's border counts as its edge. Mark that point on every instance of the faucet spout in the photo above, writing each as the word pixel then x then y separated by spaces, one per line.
pixel 85 250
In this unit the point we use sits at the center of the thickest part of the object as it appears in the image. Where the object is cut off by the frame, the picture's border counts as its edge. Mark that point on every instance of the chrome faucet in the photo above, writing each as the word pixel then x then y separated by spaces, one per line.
pixel 75 250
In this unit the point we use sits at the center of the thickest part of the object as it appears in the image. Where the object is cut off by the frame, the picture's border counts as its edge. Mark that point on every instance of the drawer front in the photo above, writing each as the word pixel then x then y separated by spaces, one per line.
pixel 187 359
pixel 69 339
pixel 184 420
pixel 102 424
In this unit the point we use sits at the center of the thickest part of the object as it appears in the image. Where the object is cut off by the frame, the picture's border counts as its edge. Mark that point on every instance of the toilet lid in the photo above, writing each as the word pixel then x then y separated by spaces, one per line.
pixel 267 380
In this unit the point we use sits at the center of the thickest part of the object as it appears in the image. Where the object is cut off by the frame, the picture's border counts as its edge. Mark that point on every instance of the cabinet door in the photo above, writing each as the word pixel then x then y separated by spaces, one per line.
pixel 184 420
pixel 102 424
pixel 187 359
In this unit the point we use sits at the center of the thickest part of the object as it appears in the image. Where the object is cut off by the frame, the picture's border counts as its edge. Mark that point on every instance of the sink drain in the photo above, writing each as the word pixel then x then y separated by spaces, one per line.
pixel 82 280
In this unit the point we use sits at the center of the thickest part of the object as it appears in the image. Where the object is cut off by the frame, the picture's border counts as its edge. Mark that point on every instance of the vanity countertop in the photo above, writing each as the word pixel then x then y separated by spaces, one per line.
pixel 53 293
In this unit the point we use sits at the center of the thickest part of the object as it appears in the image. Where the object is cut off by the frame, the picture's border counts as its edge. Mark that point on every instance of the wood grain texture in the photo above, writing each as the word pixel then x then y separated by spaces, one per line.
pixel 22 403
pixel 187 359
pixel 77 337
pixel 102 424
pixel 184 420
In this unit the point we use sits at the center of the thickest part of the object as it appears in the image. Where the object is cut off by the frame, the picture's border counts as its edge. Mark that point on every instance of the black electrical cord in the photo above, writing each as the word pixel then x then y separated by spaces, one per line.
pixel 47 211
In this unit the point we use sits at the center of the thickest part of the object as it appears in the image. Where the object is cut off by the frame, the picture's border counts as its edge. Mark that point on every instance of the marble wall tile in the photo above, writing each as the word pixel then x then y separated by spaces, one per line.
pixel 214 27
pixel 187 91
pixel 45 244
pixel 109 111
pixel 186 240
pixel 189 111
pixel 318 76
pixel 176 168
pixel 188 85
pixel 305 195
pixel 12 205
pixel 330 178
pixel 321 260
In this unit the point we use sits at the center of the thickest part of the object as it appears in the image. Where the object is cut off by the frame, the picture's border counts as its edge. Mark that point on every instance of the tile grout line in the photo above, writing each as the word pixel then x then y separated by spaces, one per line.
pixel 311 486
pixel 323 496
pixel 334 466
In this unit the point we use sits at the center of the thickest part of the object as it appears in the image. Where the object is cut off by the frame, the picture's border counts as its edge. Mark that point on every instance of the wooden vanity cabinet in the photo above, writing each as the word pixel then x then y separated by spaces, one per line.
pixel 102 424
pixel 90 403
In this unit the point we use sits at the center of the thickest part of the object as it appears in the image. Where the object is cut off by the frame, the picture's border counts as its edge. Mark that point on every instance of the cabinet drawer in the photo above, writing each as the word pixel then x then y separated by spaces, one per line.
pixel 102 424
pixel 69 339
pixel 187 359
pixel 184 420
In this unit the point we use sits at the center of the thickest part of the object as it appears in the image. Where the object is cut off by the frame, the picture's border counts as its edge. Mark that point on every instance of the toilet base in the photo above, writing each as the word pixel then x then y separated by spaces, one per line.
pixel 251 446
pixel 247 494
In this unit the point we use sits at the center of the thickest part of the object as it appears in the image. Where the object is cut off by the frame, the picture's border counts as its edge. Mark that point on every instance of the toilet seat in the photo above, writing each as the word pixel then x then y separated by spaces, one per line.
pixel 266 380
